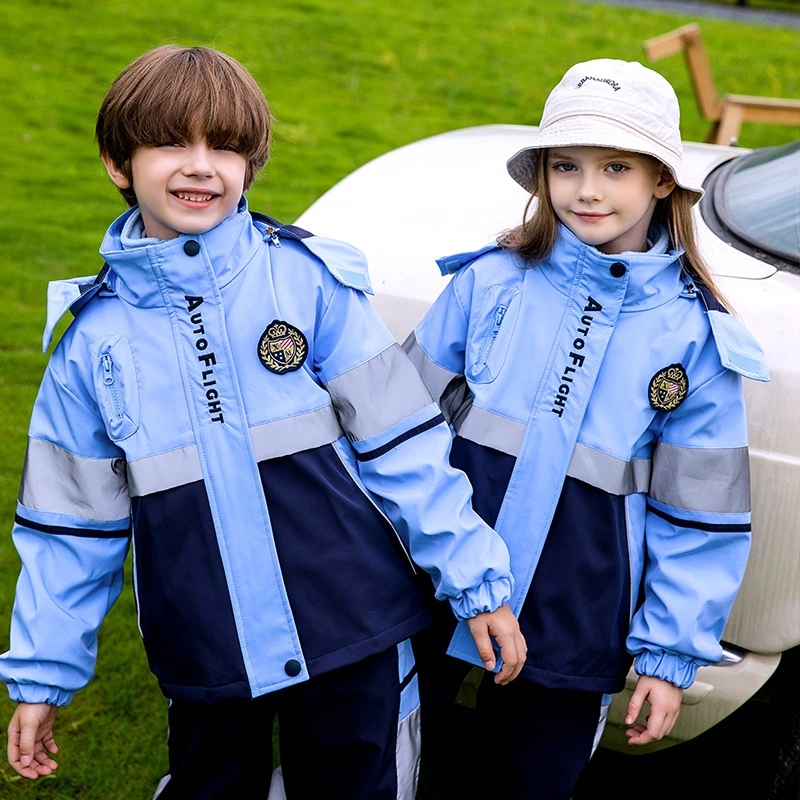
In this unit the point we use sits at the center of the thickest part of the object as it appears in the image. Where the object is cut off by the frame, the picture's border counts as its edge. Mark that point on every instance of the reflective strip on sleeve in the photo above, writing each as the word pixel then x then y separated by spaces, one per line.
pixel 436 378
pixel 612 475
pixel 59 482
pixel 695 479
pixel 377 394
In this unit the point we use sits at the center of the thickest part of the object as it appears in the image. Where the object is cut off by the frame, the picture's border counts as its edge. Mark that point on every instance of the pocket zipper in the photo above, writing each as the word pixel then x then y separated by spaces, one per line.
pixel 111 384
pixel 499 314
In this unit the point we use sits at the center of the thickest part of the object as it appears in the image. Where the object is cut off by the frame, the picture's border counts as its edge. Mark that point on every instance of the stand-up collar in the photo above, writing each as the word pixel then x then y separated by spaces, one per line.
pixel 227 248
pixel 654 276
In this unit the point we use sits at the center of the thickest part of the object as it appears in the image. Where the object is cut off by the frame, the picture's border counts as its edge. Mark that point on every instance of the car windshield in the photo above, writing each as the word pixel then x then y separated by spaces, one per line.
pixel 757 198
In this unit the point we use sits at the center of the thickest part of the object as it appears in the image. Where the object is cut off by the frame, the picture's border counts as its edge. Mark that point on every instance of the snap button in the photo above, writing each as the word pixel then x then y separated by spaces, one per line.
pixel 292 667
pixel 617 269
pixel 191 248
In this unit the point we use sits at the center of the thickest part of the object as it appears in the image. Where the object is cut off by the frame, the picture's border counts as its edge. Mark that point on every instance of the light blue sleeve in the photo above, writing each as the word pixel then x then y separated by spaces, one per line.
pixel 401 447
pixel 72 536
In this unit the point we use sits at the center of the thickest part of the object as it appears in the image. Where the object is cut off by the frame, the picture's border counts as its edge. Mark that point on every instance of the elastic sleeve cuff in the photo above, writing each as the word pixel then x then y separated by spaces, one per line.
pixel 489 596
pixel 34 693
pixel 671 667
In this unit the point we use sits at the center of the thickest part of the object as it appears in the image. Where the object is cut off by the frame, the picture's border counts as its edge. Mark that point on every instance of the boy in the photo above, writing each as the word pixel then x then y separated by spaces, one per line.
pixel 228 398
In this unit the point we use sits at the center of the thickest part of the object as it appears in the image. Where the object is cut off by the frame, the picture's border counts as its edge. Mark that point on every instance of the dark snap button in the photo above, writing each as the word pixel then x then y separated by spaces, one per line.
pixel 292 667
pixel 191 248
pixel 617 269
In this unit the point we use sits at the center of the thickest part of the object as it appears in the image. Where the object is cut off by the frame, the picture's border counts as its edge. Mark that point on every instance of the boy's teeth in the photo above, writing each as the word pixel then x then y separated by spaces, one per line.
pixel 197 198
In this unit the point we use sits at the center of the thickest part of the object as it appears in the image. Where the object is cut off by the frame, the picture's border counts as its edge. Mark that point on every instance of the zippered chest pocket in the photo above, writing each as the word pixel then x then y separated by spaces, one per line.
pixel 490 333
pixel 116 386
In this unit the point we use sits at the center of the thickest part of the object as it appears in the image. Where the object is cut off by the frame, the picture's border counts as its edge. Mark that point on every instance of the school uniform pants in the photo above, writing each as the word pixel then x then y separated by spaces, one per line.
pixel 523 741
pixel 337 737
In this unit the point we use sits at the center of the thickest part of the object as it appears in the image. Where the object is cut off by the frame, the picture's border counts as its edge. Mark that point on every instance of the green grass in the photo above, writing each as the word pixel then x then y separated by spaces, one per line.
pixel 346 83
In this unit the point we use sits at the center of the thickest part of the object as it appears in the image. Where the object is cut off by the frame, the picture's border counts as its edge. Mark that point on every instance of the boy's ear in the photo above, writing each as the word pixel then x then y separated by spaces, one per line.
pixel 665 185
pixel 118 177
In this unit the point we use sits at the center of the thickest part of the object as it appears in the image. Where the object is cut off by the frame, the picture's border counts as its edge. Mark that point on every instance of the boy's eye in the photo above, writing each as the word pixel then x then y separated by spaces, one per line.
pixel 169 144
pixel 227 147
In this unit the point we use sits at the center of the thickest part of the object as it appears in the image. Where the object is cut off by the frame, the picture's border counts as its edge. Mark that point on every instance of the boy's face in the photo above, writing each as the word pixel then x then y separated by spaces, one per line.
pixel 606 197
pixel 183 187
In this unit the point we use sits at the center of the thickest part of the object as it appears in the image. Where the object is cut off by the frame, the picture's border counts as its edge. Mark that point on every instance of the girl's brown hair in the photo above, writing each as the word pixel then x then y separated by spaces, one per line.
pixel 174 93
pixel 535 238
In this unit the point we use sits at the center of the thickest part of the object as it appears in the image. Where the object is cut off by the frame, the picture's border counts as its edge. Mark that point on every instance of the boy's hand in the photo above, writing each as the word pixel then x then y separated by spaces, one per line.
pixel 503 626
pixel 665 704
pixel 30 739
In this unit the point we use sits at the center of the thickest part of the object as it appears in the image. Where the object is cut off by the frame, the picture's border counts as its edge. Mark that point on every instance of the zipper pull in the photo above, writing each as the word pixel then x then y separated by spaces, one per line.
pixel 273 235
pixel 108 370
pixel 498 317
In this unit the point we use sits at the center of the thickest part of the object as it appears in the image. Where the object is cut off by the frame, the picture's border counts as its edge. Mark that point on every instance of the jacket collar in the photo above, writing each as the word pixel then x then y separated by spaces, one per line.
pixel 655 277
pixel 134 260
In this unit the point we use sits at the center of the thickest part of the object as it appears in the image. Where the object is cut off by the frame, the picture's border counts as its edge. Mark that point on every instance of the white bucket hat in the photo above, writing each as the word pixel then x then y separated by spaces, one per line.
pixel 609 103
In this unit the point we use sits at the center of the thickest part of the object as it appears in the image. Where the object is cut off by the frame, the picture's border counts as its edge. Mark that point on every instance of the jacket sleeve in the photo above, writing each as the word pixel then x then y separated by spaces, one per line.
pixel 402 444
pixel 71 531
pixel 697 527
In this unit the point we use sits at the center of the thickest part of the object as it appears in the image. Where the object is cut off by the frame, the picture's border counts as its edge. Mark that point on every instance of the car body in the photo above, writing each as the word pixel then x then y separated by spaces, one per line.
pixel 451 193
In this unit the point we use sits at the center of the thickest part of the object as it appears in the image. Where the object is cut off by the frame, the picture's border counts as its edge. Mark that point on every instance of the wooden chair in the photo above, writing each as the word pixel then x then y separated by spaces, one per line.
pixel 729 112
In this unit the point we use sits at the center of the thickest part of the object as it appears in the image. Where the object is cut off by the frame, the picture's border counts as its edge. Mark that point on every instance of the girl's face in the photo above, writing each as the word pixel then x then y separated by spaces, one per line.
pixel 606 197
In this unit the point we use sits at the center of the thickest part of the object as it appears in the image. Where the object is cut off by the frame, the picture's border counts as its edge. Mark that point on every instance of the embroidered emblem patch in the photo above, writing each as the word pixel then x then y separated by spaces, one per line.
pixel 282 348
pixel 668 388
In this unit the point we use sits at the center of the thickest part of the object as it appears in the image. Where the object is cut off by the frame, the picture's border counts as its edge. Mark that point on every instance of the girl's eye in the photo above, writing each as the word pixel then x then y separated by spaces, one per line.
pixel 617 168
pixel 563 167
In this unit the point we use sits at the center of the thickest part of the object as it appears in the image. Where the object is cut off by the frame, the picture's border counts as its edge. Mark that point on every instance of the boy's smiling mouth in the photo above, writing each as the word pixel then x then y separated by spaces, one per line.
pixel 194 197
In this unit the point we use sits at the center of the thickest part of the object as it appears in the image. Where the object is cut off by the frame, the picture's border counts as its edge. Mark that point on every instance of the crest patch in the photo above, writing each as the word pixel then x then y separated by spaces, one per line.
pixel 668 388
pixel 282 348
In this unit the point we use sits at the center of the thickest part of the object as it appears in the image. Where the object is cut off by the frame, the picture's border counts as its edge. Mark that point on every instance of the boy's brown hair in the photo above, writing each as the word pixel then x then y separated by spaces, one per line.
pixel 536 236
pixel 179 94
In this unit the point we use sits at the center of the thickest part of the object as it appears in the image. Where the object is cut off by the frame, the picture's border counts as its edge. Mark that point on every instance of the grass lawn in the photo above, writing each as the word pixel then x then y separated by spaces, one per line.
pixel 346 82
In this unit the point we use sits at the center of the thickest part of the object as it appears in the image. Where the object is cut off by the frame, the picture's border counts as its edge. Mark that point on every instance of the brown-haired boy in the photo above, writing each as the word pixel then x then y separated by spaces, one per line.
pixel 229 400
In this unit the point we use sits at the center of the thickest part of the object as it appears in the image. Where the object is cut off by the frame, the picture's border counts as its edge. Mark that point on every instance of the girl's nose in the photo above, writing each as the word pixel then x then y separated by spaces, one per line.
pixel 589 188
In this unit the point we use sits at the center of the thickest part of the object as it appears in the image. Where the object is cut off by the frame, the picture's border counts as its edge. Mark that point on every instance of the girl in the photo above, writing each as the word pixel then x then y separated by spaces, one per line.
pixel 592 376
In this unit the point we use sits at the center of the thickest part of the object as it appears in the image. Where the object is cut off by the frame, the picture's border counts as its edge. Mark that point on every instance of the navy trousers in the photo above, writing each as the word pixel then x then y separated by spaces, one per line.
pixel 523 741
pixel 338 736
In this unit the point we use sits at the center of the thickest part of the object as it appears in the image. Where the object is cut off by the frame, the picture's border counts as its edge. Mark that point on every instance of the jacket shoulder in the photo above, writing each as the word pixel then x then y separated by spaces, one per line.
pixel 344 261
pixel 738 349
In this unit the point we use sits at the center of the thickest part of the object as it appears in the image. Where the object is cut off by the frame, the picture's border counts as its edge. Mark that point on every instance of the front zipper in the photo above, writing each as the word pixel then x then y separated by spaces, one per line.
pixel 112 387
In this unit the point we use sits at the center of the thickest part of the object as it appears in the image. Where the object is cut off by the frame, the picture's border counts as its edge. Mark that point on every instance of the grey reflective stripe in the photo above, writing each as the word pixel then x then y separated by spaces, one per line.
pixel 493 430
pixel 364 404
pixel 164 471
pixel 293 434
pixel 270 440
pixel 612 475
pixel 59 482
pixel 697 479
pixel 436 378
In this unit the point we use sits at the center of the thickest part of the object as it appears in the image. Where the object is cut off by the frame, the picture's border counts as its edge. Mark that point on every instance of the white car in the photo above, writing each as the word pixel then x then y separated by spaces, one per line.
pixel 451 193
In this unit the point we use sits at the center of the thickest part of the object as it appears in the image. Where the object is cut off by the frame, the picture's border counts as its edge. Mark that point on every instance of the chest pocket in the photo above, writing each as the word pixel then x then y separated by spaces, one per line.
pixel 116 386
pixel 491 333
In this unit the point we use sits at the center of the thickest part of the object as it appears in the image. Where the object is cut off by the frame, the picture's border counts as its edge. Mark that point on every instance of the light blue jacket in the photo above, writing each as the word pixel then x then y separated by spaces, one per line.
pixel 598 410
pixel 232 402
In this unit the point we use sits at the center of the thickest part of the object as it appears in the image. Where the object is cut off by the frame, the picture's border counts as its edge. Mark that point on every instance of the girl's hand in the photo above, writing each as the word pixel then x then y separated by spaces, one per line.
pixel 30 739
pixel 664 700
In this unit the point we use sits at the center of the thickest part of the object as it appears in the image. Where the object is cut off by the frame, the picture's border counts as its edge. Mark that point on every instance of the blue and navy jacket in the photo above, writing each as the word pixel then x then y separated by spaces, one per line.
pixel 597 407
pixel 231 402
